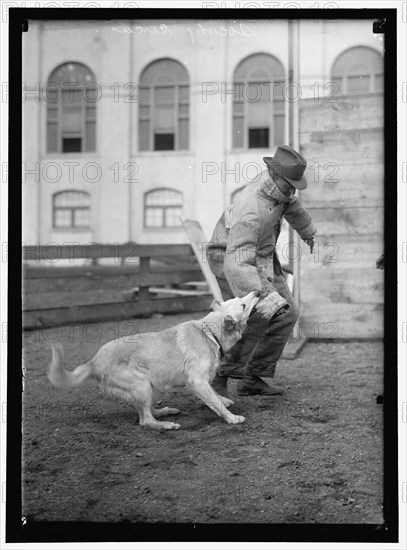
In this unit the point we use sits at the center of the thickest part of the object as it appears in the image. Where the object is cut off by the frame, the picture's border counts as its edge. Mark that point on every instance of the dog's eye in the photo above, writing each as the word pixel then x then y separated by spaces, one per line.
pixel 243 306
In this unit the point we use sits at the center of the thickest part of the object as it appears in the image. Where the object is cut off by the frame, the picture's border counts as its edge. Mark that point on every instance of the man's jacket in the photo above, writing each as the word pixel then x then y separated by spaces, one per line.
pixel 243 245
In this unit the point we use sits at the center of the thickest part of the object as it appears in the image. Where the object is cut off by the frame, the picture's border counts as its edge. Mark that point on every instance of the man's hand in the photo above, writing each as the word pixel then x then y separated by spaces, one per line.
pixel 310 242
pixel 272 305
pixel 380 262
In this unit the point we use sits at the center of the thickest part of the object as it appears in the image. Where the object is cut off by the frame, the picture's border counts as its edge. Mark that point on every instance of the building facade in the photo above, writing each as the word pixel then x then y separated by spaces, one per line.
pixel 128 125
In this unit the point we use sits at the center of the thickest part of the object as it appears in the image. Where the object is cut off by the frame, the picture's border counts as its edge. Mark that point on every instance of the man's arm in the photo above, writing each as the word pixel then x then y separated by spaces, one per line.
pixel 241 271
pixel 299 219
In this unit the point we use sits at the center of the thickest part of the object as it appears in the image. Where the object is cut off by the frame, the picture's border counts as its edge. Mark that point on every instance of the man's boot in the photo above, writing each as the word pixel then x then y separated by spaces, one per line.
pixel 253 385
pixel 219 384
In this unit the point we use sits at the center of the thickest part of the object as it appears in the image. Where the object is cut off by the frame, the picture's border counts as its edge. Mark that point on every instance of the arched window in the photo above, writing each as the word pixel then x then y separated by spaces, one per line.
pixel 164 107
pixel 358 70
pixel 258 106
pixel 162 208
pixel 71 209
pixel 71 109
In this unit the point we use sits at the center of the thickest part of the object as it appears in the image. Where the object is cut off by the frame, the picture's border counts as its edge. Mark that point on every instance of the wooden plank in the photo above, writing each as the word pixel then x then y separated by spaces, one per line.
pixel 347 220
pixel 198 240
pixel 342 321
pixel 354 146
pixel 343 285
pixel 51 271
pixel 67 298
pixel 55 251
pixel 344 185
pixel 120 282
pixel 358 112
pixel 106 312
pixel 144 268
pixel 352 252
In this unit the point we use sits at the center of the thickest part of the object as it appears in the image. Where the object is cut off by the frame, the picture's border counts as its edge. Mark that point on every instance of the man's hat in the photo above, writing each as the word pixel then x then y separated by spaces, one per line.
pixel 288 165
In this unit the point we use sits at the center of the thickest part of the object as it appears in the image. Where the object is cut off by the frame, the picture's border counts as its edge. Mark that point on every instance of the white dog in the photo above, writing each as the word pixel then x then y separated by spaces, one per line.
pixel 187 354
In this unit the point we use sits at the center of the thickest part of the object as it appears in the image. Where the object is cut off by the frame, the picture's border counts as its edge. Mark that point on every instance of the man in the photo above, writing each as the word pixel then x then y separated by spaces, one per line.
pixel 242 255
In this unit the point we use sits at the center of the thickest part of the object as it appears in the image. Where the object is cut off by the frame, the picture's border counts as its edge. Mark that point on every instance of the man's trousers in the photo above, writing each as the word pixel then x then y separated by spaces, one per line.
pixel 263 341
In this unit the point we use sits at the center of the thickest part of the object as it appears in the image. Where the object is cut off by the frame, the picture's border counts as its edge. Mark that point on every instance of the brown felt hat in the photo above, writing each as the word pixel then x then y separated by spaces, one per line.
pixel 288 165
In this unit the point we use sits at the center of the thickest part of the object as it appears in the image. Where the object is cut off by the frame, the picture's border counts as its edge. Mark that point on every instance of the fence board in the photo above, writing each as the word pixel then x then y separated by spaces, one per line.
pixel 89 281
pixel 344 186
pixel 106 312
pixel 356 112
pixel 347 220
pixel 91 251
pixel 342 320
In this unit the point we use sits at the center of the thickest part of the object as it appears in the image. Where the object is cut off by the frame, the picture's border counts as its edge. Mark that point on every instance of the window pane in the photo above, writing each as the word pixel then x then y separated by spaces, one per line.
pixel 71 198
pixel 279 130
pixel 172 215
pixel 73 96
pixel 71 145
pixel 163 197
pixel 238 137
pixel 52 93
pixel 184 93
pixel 90 112
pixel 277 91
pixel 259 114
pixel 258 137
pixel 81 217
pixel 144 95
pixel 164 118
pixel 144 135
pixel 238 108
pixel 52 137
pixel 62 218
pixel 358 68
pixel 164 142
pixel 90 136
pixel 183 137
pixel 358 84
pixel 154 217
pixel 165 95
pixel 90 93
pixel 183 110
pixel 253 92
pixel 144 111
pixel 72 120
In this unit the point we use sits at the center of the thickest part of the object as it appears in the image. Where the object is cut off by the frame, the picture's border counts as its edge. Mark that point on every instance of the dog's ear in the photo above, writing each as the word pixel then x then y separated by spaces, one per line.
pixel 215 305
pixel 230 323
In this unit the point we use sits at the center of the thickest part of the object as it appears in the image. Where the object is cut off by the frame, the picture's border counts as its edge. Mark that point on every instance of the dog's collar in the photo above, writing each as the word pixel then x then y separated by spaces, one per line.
pixel 212 337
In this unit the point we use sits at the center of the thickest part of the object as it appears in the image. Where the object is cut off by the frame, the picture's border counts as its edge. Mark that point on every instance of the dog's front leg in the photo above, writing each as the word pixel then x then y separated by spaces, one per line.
pixel 203 390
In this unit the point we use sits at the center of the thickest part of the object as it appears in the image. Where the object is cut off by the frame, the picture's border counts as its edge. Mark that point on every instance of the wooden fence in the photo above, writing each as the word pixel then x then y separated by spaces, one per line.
pixel 143 279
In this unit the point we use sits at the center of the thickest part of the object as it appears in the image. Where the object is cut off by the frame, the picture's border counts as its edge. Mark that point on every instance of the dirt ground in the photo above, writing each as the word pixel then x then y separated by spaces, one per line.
pixel 312 455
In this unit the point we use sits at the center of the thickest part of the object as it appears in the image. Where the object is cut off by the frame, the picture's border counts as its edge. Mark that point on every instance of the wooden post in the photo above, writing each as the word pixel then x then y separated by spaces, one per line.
pixel 144 293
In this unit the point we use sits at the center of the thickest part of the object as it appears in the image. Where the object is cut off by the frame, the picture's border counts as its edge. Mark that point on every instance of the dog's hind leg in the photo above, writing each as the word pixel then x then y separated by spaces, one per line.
pixel 142 394
pixel 165 411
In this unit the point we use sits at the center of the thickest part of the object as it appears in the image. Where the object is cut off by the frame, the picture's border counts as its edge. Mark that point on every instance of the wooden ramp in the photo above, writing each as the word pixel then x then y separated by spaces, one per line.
pixel 198 242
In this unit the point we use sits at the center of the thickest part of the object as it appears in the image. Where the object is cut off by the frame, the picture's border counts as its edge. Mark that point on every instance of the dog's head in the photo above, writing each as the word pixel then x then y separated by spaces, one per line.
pixel 236 311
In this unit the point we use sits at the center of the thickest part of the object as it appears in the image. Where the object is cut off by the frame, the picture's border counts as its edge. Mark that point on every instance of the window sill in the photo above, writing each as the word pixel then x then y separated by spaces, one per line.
pixel 260 150
pixel 79 156
pixel 71 229
pixel 161 229
pixel 147 154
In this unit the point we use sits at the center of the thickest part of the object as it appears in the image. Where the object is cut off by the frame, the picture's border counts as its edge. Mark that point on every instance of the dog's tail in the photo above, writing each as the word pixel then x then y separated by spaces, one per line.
pixel 61 378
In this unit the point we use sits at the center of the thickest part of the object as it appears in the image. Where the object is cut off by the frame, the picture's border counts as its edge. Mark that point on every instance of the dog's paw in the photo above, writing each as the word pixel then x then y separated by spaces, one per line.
pixel 236 419
pixel 171 426
pixel 227 402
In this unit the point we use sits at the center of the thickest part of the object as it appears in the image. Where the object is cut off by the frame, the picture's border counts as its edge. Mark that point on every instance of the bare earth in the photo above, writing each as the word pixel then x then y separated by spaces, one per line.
pixel 313 455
